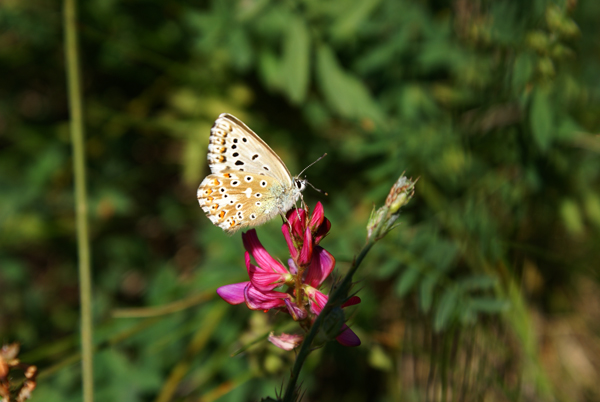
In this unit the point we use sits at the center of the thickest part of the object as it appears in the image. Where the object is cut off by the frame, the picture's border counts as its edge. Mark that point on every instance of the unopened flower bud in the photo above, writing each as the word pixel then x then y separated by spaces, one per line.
pixel 381 221
pixel 331 326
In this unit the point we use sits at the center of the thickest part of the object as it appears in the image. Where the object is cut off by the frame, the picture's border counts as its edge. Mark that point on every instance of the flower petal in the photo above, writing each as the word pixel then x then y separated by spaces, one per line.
pixel 286 341
pixel 261 256
pixel 351 301
pixel 322 230
pixel 307 249
pixel 348 337
pixel 234 293
pixel 297 221
pixel 257 300
pixel 264 279
pixel 316 299
pixel 317 217
pixel 293 267
pixel 296 312
pixel 320 267
pixel 289 239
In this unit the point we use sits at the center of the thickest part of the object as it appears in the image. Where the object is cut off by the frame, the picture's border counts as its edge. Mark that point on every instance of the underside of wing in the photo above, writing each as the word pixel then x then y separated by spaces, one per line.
pixel 232 145
pixel 233 200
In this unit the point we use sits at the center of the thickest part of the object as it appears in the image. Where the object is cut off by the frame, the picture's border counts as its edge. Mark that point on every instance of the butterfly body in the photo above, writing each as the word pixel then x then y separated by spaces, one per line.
pixel 249 184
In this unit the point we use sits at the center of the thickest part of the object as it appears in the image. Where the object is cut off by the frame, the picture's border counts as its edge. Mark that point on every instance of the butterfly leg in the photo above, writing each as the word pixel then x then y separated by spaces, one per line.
pixel 302 205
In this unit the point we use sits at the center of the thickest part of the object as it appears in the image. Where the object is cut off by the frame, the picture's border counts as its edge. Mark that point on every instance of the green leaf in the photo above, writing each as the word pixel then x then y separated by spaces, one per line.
pixel 269 68
pixel 407 281
pixel 541 119
pixel 522 70
pixel 344 93
pixel 571 215
pixel 332 81
pixel 379 359
pixel 296 60
pixel 592 207
pixel 426 291
pixel 489 305
pixel 445 308
pixel 477 282
pixel 349 21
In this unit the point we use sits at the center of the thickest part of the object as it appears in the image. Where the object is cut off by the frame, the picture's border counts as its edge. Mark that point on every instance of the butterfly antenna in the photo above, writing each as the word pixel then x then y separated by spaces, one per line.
pixel 322 156
pixel 318 189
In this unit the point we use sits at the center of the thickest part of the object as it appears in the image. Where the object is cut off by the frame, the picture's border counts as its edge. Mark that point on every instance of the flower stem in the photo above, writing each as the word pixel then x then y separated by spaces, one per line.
pixel 337 297
pixel 83 242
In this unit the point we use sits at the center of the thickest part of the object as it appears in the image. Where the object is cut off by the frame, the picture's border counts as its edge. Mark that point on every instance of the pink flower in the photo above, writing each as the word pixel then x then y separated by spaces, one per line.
pixel 309 266
pixel 321 265
pixel 234 293
pixel 255 299
pixel 302 234
pixel 270 273
pixel 286 341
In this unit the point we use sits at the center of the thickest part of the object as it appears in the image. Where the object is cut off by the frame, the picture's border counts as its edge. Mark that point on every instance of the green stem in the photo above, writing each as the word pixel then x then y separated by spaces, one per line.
pixel 83 243
pixel 339 293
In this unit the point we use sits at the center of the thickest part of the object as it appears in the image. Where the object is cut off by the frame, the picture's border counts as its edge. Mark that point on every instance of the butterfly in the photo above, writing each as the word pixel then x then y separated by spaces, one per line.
pixel 249 184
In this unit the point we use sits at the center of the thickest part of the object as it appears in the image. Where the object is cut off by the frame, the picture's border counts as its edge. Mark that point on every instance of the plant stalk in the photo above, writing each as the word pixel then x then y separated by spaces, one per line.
pixel 81 205
pixel 305 348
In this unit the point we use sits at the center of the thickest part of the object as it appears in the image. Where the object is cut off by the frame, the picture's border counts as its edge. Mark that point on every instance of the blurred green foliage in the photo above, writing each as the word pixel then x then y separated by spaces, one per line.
pixel 495 105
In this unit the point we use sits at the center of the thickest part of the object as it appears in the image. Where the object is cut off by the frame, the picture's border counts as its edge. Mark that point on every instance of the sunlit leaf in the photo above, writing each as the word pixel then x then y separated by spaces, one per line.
pixel 541 119
pixel 350 20
pixel 571 215
pixel 296 59
pixel 345 93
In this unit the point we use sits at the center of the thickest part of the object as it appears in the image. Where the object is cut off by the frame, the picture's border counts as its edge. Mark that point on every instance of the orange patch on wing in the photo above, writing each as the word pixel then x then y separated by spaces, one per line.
pixel 222 214
pixel 227 175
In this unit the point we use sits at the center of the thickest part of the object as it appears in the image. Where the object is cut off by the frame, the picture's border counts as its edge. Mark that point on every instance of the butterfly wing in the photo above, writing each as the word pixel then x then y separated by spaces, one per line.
pixel 233 146
pixel 233 200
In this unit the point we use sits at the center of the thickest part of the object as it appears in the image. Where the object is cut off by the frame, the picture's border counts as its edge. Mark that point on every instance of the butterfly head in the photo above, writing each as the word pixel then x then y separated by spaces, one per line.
pixel 300 184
